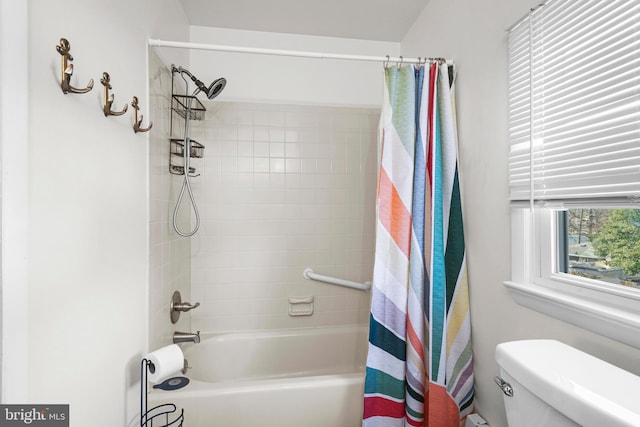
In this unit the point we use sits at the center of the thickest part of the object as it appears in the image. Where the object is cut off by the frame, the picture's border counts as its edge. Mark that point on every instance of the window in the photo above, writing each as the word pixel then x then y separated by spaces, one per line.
pixel 600 244
pixel 574 132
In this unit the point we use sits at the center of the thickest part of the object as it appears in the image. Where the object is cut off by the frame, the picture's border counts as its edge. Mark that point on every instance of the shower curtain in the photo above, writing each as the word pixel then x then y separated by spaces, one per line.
pixel 419 366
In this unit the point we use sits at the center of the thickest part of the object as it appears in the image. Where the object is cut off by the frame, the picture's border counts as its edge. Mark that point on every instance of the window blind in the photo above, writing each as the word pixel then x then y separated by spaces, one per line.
pixel 574 102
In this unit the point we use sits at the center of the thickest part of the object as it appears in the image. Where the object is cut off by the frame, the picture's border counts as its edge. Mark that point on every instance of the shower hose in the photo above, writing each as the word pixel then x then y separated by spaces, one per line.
pixel 185 182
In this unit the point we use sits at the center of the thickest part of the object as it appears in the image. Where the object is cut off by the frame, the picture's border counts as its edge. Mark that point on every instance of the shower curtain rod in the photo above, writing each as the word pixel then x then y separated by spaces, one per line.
pixel 295 53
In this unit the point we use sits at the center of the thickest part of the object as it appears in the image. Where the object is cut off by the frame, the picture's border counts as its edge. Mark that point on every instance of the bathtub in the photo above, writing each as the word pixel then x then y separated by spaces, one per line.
pixel 288 378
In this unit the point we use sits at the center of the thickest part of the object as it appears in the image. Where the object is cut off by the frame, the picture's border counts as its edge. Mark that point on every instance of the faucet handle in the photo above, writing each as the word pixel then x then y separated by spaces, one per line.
pixel 177 306
pixel 185 306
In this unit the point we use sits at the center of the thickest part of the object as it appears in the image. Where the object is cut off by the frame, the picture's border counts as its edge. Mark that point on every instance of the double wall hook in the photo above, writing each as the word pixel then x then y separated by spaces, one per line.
pixel 67 69
pixel 136 123
pixel 108 98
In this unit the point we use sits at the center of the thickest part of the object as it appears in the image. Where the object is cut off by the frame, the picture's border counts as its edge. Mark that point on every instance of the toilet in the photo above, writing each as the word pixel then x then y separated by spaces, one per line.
pixel 549 384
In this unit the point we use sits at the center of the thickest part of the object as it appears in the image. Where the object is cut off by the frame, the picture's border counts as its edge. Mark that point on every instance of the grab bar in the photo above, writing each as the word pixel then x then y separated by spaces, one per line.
pixel 309 274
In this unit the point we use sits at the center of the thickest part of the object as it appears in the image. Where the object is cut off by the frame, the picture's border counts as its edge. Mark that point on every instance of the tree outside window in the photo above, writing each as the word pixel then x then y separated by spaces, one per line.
pixel 604 244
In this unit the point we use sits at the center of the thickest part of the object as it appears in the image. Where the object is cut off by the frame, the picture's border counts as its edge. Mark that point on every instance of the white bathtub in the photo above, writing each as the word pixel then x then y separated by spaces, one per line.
pixel 299 378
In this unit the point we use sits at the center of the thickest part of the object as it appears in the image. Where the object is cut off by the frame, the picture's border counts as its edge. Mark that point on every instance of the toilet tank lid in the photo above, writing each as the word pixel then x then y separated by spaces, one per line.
pixel 586 389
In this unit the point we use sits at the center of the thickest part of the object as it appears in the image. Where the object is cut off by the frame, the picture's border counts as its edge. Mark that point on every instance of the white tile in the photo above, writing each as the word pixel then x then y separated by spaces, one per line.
pixel 308 166
pixel 292 135
pixel 245 148
pixel 293 119
pixel 229 164
pixel 245 133
pixel 261 164
pixel 276 118
pixel 245 165
pixel 276 165
pixel 245 117
pixel 292 150
pixel 293 166
pixel 261 149
pixel 229 148
pixel 261 118
pixel 308 150
pixel 280 190
pixel 229 133
pixel 261 133
pixel 276 134
pixel 276 149
pixel 293 180
pixel 261 177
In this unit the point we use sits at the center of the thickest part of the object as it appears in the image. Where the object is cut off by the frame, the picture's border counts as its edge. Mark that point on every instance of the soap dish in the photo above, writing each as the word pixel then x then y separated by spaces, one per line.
pixel 301 306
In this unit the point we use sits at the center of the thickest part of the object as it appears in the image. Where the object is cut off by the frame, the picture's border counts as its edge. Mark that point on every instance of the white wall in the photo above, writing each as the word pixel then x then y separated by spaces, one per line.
pixel 264 78
pixel 88 214
pixel 13 127
pixel 474 35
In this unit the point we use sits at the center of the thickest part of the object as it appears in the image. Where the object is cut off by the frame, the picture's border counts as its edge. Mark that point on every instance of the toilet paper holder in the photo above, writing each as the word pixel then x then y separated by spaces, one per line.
pixel 177 306
pixel 160 413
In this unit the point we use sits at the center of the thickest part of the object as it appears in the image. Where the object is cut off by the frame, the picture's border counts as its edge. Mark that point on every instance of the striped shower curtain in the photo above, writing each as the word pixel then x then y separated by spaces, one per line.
pixel 419 365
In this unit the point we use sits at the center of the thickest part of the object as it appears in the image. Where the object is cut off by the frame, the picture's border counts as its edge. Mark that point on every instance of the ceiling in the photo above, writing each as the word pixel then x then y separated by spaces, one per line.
pixel 383 20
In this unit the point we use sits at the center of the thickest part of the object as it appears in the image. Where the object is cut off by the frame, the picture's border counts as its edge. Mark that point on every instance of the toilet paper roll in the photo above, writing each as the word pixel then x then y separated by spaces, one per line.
pixel 165 362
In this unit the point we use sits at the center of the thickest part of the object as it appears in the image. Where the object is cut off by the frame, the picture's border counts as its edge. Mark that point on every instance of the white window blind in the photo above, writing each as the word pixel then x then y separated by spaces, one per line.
pixel 574 102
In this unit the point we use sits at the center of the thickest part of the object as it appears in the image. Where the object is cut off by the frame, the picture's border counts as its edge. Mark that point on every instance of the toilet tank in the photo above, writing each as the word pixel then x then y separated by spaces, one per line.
pixel 556 385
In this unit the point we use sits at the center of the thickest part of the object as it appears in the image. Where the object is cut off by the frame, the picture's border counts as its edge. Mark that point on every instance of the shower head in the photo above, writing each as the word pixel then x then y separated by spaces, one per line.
pixel 216 87
pixel 212 91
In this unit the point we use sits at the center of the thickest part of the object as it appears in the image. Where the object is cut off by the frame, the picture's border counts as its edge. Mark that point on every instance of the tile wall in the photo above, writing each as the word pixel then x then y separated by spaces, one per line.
pixel 282 188
pixel 170 254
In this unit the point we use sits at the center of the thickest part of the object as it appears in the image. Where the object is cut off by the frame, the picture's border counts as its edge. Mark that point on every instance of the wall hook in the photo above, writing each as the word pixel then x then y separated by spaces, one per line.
pixel 136 122
pixel 67 70
pixel 108 99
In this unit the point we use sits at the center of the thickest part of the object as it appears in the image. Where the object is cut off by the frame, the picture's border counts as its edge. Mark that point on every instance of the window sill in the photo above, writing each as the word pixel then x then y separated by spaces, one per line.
pixel 619 323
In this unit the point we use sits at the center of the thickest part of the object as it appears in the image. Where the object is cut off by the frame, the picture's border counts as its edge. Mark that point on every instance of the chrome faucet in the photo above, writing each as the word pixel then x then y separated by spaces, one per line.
pixel 186 337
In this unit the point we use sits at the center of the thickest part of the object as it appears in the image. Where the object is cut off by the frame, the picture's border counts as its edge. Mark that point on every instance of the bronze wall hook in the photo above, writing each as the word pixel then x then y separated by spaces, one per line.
pixel 136 122
pixel 108 98
pixel 67 69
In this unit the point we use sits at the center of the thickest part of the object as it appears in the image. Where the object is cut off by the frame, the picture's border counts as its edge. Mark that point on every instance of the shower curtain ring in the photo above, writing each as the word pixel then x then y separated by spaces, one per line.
pixel 386 63
pixel 399 64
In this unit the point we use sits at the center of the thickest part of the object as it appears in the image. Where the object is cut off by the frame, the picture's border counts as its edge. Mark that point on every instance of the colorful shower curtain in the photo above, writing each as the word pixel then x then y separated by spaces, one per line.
pixel 419 365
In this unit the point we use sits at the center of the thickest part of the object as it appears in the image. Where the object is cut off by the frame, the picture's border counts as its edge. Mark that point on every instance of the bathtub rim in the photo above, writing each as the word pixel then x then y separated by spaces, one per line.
pixel 282 332
pixel 197 388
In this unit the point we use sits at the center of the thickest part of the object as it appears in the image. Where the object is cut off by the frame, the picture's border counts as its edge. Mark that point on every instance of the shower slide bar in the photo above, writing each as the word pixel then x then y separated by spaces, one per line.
pixel 296 53
pixel 309 274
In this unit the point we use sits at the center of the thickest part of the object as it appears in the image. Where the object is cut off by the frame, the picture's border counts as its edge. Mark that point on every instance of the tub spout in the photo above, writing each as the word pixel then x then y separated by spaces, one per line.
pixel 186 337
